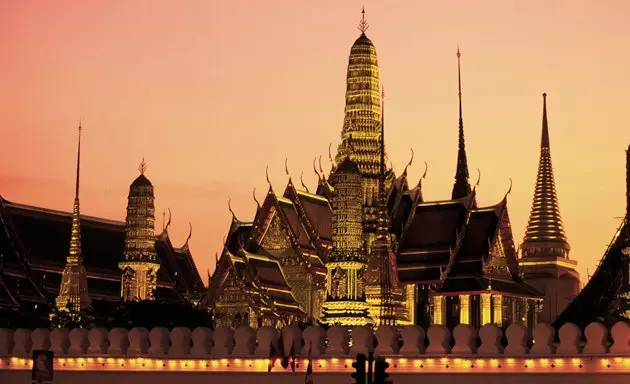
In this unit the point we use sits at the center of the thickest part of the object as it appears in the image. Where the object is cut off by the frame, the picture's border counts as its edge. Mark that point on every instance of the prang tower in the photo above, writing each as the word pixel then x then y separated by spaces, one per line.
pixel 347 264
pixel 545 250
pixel 74 287
pixel 361 125
pixel 140 264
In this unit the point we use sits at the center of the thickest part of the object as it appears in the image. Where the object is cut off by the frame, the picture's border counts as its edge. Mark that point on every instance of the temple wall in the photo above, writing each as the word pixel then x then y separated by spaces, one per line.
pixel 298 378
pixel 234 355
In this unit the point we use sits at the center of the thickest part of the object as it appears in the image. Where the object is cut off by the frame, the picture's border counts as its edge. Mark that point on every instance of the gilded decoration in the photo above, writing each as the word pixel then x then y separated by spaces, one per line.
pixel 275 237
pixel 140 257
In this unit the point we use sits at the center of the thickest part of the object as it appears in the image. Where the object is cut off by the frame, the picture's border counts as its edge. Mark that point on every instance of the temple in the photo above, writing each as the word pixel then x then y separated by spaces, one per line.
pixel 545 250
pixel 365 248
pixel 606 296
pixel 40 269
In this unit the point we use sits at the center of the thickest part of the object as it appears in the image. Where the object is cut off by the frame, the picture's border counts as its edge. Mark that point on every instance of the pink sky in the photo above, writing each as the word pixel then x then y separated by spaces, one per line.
pixel 210 92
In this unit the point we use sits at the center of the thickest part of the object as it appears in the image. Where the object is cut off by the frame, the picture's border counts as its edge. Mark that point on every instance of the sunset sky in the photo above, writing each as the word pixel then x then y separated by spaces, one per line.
pixel 210 92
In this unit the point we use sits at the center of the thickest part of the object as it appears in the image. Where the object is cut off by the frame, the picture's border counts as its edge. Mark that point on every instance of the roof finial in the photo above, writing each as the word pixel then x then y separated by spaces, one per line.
pixel 302 182
pixel 319 177
pixel 509 190
pixel 267 176
pixel 363 24
pixel 230 208
pixel 189 234
pixel 332 162
pixel 142 167
pixel 255 199
pixel 410 161
pixel 478 178
pixel 169 221
pixel 321 169
pixel 286 166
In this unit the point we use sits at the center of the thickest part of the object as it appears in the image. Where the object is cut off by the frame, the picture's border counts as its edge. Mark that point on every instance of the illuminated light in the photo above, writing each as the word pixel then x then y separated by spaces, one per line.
pixel 348 362
pixel 626 362
pixel 402 361
pixel 431 361
pixel 576 362
pixel 544 362
pixel 110 360
pixel 305 362
pixel 224 361
pixel 481 363
pixel 322 363
pixel 214 363
pixel 618 359
pixel 334 360
pixel 605 363
pixel 159 363
pixel 510 361
pixel 444 360
pixel 100 360
pixel 61 361
pixel 71 360
pixel 172 364
pixel 558 362
pixel 529 363
pixel 90 360
pixel 121 361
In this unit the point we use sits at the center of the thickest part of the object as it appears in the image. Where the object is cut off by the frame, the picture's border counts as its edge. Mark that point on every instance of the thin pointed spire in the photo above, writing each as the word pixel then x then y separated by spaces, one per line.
pixel 544 140
pixel 363 24
pixel 74 256
pixel 462 185
pixel 73 288
pixel 545 236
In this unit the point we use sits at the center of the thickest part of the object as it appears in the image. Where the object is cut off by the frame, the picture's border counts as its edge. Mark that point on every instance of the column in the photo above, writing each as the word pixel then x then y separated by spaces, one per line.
pixel 497 309
pixel 464 309
pixel 439 310
pixel 486 309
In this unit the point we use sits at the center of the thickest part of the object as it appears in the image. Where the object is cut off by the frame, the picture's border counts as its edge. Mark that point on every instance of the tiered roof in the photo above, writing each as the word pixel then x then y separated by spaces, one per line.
pixel 34 246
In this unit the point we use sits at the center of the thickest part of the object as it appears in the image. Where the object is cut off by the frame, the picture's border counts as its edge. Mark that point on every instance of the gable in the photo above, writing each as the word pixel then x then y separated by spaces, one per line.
pixel 274 235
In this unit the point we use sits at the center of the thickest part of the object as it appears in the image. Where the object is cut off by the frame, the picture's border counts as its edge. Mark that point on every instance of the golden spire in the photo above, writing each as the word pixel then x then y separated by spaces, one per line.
pixel 73 288
pixel 462 186
pixel 74 256
pixel 545 236
pixel 363 24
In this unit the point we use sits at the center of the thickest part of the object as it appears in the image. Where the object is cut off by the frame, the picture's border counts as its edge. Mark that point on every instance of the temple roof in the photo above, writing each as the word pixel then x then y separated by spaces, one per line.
pixel 545 234
pixel 40 237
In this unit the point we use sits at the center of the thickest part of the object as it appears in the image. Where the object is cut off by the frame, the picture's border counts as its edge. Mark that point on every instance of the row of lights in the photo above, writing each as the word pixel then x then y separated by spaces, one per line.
pixel 243 365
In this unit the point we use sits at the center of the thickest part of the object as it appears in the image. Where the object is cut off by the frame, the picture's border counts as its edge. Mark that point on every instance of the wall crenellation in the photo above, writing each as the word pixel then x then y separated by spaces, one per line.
pixel 336 341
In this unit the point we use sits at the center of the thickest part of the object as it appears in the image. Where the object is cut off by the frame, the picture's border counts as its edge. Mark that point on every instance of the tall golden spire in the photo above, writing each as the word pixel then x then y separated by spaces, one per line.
pixel 545 236
pixel 73 287
pixel 462 186
pixel 361 126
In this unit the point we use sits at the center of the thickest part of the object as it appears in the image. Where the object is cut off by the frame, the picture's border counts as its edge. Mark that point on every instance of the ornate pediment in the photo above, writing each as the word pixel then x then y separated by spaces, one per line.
pixel 275 236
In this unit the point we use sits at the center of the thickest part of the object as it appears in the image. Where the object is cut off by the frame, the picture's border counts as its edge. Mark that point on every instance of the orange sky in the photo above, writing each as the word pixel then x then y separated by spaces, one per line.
pixel 210 92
